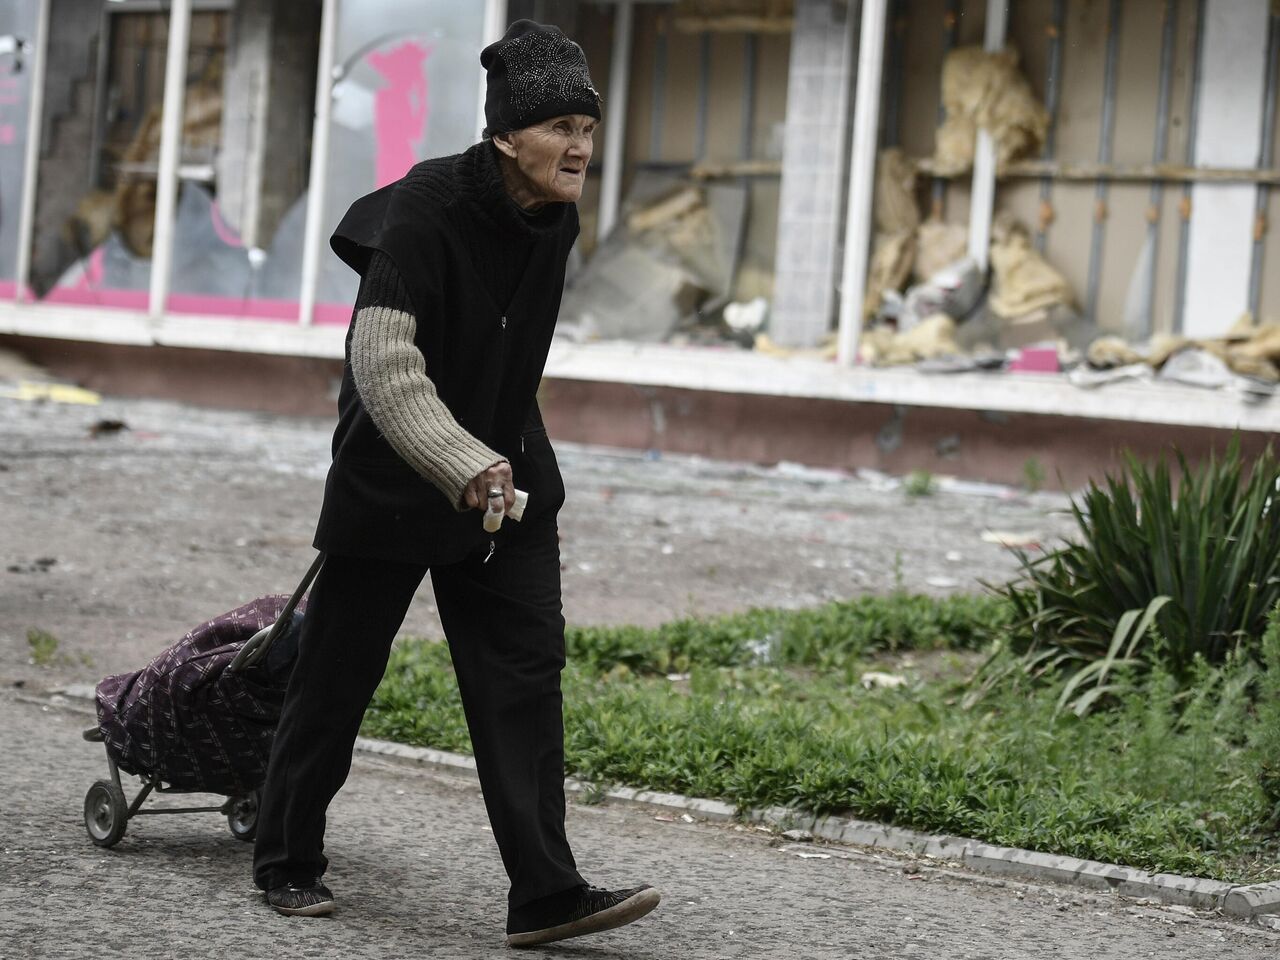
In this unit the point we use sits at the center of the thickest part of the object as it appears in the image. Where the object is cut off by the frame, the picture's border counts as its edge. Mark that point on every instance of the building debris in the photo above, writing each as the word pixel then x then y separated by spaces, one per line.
pixel 747 317
pixel 897 217
pixel 825 351
pixel 1023 282
pixel 1012 540
pixel 1246 357
pixel 1196 367
pixel 50 393
pixel 1087 377
pixel 955 290
pixel 890 269
pixel 1036 360
pixel 896 210
pixel 986 90
pixel 930 339
pixel 673 259
pixel 938 245
pixel 1109 352
pixel 106 427
pixel 874 679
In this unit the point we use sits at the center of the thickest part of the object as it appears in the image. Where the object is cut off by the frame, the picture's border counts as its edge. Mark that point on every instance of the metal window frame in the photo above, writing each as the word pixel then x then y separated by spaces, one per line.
pixel 175 75
pixel 31 159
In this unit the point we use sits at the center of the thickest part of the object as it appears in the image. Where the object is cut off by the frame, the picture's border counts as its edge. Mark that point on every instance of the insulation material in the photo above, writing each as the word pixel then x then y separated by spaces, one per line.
pixel 896 210
pixel 1257 356
pixel 955 143
pixel 1106 353
pixel 897 217
pixel 938 246
pixel 754 281
pixel 131 207
pixel 1253 366
pixel 1247 350
pixel 890 267
pixel 982 90
pixel 764 344
pixel 932 338
pixel 1263 341
pixel 1023 281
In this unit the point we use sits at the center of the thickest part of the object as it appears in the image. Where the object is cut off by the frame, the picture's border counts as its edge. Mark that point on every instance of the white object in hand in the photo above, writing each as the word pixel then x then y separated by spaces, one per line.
pixel 493 518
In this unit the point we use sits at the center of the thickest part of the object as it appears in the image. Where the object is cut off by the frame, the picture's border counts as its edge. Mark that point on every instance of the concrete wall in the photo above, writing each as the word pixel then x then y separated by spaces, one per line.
pixel 814 161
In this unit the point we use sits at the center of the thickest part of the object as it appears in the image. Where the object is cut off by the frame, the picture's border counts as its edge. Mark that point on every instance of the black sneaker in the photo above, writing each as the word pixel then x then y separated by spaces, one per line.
pixel 301 899
pixel 577 912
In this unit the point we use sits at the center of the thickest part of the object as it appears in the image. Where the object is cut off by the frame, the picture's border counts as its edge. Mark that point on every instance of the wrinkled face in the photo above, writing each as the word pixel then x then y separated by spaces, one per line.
pixel 551 157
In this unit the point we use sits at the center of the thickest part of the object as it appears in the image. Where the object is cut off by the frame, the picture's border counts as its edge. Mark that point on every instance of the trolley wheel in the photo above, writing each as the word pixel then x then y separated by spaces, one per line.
pixel 242 817
pixel 106 813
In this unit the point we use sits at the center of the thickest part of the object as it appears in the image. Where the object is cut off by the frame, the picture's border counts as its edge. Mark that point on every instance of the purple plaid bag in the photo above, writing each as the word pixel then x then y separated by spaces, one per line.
pixel 187 721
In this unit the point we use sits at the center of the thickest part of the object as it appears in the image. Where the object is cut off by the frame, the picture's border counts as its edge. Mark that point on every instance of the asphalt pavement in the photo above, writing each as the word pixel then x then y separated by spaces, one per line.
pixel 416 874
pixel 125 523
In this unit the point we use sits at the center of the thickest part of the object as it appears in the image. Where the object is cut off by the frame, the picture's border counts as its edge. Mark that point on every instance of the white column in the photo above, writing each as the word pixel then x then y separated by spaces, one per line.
pixel 175 91
pixel 318 176
pixel 31 160
pixel 615 129
pixel 983 202
pixel 862 175
pixel 1228 134
pixel 495 25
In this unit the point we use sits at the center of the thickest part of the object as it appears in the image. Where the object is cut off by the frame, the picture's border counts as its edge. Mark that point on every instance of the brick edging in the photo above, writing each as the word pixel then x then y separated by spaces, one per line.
pixel 1249 901
pixel 1237 900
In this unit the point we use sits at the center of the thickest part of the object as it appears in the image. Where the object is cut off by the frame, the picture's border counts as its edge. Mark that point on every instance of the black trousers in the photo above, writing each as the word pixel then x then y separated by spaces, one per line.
pixel 505 631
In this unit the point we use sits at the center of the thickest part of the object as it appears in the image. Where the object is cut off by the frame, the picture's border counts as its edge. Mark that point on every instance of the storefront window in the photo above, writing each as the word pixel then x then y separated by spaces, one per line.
pixel 99 150
pixel 17 50
pixel 246 150
pixel 407 88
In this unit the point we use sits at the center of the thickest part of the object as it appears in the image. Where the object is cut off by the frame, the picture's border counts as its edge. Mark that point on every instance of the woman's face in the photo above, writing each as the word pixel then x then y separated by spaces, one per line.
pixel 551 158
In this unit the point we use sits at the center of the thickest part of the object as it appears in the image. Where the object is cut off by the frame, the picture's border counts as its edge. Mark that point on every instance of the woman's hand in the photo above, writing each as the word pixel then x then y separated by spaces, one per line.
pixel 497 477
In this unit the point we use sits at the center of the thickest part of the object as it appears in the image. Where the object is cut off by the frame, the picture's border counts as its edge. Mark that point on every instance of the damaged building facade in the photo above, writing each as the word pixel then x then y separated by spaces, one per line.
pixel 941 234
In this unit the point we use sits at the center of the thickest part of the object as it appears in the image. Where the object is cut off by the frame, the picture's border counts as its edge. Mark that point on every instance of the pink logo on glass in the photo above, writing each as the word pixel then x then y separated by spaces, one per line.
pixel 399 109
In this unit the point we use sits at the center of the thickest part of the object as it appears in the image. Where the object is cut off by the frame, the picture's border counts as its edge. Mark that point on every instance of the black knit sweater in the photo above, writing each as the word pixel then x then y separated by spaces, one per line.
pixel 483 281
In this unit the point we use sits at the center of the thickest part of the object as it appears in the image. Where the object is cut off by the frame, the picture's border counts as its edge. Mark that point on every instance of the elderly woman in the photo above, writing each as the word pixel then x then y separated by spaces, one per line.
pixel 462 265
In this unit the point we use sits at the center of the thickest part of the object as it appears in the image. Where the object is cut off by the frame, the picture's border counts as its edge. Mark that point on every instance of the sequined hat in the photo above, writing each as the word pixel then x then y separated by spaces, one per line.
pixel 535 72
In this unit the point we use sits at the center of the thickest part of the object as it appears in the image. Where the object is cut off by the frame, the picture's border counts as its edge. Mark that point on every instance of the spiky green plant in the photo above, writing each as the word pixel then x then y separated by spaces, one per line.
pixel 1212 548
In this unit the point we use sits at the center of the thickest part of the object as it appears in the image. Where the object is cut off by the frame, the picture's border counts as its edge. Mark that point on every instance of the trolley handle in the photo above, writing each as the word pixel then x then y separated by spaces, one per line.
pixel 256 647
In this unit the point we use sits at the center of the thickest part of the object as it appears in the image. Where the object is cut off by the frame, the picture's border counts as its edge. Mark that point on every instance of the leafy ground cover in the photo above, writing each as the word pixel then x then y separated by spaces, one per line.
pixel 1177 774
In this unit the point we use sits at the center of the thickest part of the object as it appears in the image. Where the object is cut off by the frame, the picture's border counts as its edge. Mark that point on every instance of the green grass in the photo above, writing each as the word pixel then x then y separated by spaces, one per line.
pixel 919 483
pixel 773 712
pixel 44 647
pixel 831 635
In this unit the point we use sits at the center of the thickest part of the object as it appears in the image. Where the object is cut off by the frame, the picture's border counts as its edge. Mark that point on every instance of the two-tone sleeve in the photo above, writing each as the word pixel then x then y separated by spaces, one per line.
pixel 391 377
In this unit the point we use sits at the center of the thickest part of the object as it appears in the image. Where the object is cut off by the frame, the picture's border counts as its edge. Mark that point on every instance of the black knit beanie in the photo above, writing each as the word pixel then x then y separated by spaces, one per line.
pixel 535 73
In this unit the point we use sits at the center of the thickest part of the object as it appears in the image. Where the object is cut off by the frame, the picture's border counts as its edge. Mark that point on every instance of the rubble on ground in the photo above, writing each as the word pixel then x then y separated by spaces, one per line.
pixel 674 255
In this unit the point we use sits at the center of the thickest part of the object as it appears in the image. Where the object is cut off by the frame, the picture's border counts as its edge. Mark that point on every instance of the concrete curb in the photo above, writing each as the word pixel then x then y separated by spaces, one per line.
pixel 1247 902
pixel 1259 903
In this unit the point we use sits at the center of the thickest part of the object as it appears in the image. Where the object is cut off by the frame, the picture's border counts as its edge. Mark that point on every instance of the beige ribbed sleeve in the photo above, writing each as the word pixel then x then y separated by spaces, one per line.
pixel 391 376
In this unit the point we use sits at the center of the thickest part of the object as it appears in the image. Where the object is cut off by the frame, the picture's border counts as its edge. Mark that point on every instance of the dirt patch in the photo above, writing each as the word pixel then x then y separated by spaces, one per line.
pixel 116 541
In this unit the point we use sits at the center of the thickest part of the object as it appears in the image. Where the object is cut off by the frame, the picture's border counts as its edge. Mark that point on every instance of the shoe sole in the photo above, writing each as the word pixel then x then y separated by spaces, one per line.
pixel 314 910
pixel 628 911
